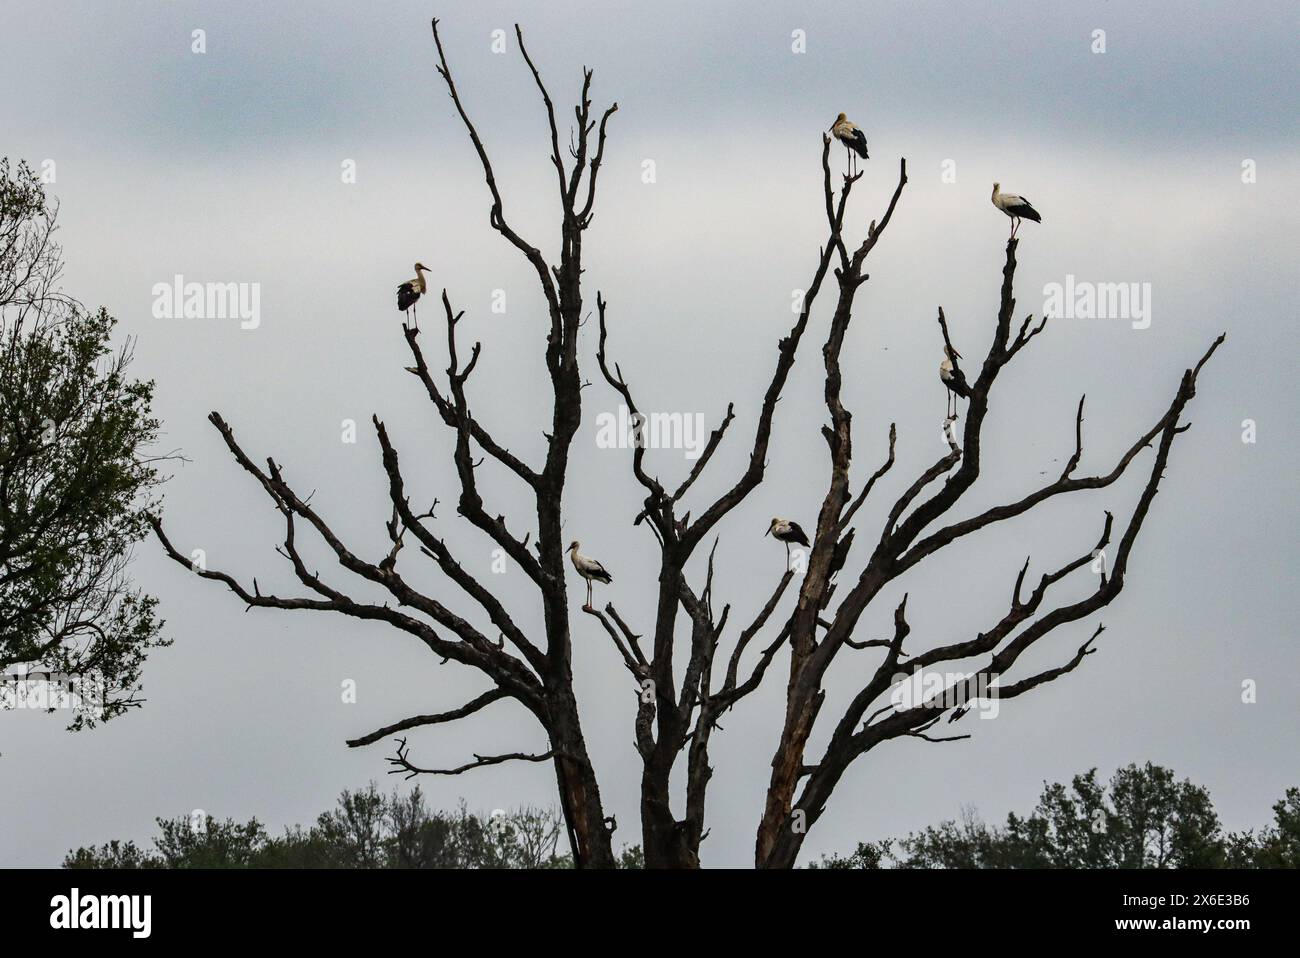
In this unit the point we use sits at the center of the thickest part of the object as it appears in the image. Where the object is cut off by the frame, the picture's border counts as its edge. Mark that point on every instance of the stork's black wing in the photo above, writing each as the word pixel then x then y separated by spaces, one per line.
pixel 859 144
pixel 797 535
pixel 600 574
pixel 1025 211
pixel 406 296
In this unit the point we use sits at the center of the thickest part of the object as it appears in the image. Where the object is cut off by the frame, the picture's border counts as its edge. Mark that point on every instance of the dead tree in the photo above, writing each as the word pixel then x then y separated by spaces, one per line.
pixel 817 635
pixel 679 716
pixel 684 716
pixel 534 671
pixel 791 809
pixel 816 631
pixel 670 716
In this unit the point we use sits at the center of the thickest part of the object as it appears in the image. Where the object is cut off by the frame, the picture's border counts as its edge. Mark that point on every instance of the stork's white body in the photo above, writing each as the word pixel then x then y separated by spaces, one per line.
pixel 787 532
pixel 851 135
pixel 588 568
pixel 409 293
pixel 1016 207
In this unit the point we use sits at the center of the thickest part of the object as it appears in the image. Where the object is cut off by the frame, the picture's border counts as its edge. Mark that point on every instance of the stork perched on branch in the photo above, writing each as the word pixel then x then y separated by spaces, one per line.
pixel 947 373
pixel 1017 207
pixel 851 135
pixel 409 293
pixel 783 530
pixel 588 568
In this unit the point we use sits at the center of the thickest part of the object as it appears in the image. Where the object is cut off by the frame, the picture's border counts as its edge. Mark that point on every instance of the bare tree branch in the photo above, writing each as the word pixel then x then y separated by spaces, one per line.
pixel 416 721
pixel 404 767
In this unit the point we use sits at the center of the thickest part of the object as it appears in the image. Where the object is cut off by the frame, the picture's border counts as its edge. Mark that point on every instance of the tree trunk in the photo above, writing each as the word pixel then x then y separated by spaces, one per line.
pixel 778 821
pixel 665 842
pixel 782 851
pixel 590 838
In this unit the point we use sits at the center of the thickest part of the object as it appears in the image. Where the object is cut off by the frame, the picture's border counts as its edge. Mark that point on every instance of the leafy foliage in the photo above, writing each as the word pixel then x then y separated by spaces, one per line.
pixel 366 829
pixel 75 483
pixel 1142 818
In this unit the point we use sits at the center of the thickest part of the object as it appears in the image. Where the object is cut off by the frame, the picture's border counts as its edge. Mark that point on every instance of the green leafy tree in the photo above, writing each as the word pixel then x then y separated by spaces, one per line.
pixel 76 483
pixel 365 829
pixel 1277 846
pixel 1142 818
pixel 114 854
pixel 867 856
pixel 213 844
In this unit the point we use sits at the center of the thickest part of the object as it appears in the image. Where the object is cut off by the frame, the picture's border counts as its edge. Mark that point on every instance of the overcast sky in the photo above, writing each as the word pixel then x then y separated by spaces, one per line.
pixel 226 166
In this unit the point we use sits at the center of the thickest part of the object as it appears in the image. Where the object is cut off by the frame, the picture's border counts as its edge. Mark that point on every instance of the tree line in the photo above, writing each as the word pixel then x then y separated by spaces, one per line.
pixel 1143 817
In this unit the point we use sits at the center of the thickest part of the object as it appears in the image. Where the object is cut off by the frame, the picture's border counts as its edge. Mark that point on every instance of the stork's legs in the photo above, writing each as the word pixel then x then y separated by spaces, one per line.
pixel 951 411
pixel 1015 225
pixel 588 593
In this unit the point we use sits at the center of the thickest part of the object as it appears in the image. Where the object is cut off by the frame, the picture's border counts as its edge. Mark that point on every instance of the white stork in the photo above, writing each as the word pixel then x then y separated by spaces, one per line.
pixel 851 135
pixel 1017 207
pixel 783 530
pixel 588 568
pixel 946 374
pixel 409 293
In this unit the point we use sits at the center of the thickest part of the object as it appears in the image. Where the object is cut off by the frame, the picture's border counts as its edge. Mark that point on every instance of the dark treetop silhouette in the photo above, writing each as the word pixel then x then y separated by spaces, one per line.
pixel 672 716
